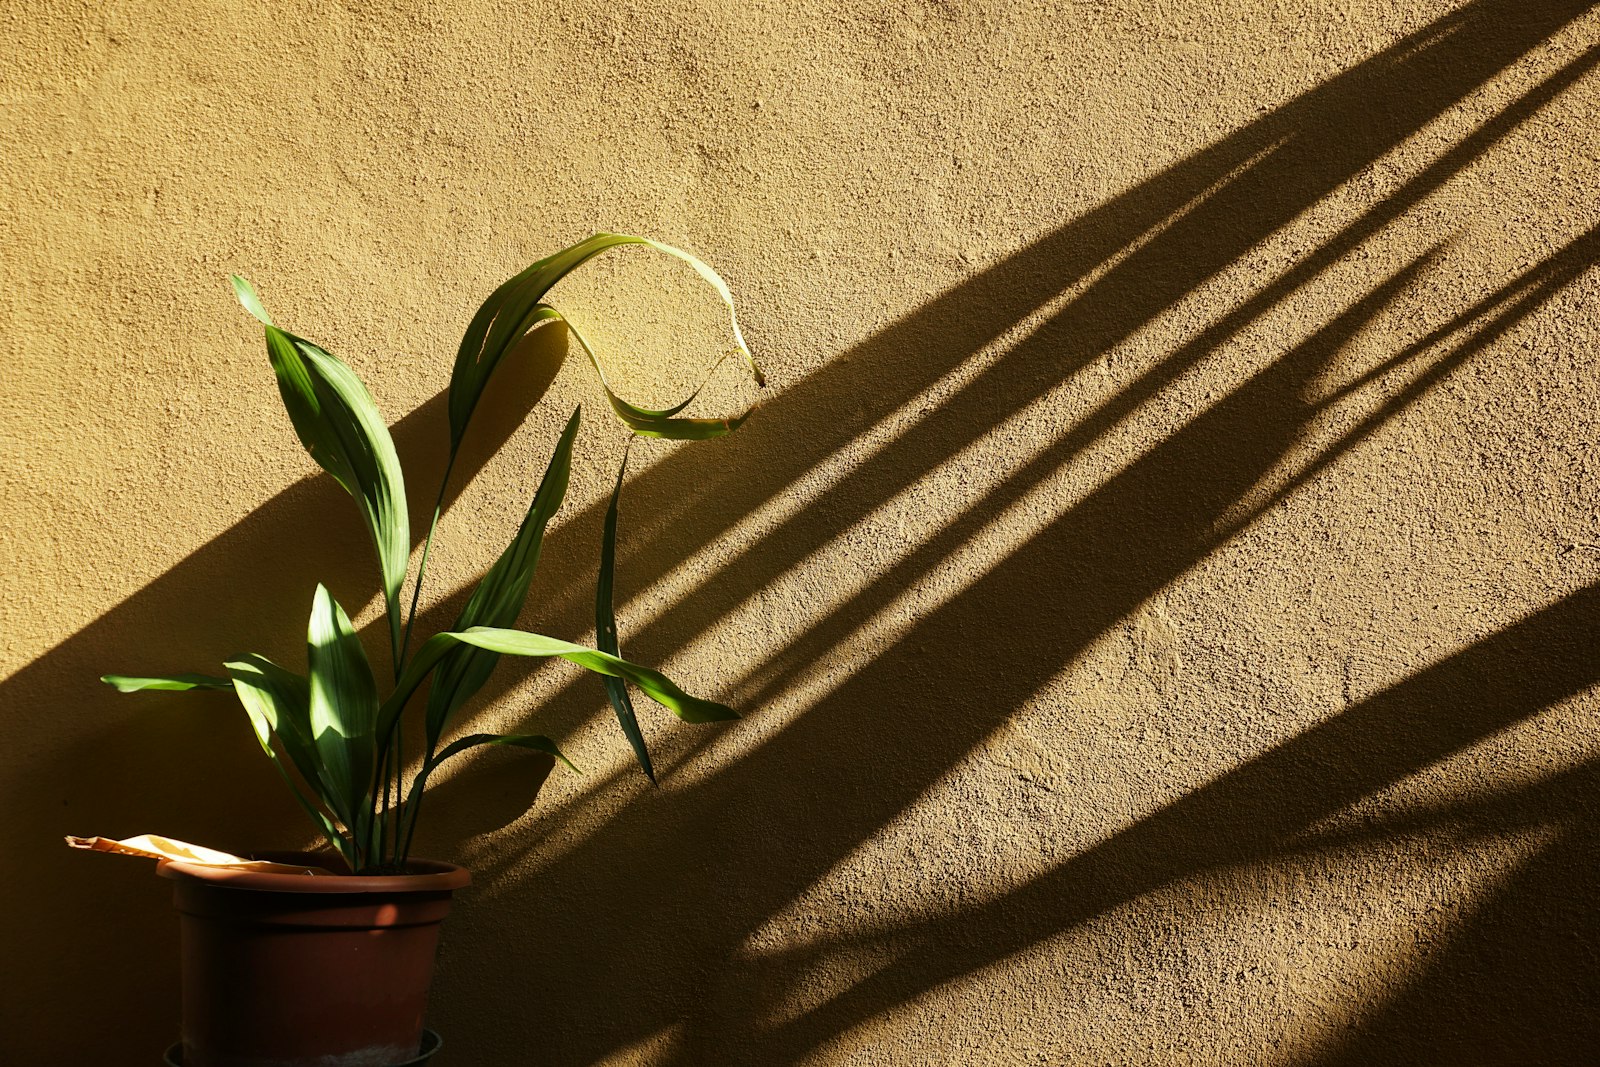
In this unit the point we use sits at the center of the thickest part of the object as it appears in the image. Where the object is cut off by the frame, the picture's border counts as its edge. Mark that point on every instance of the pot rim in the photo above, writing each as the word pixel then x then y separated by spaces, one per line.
pixel 426 876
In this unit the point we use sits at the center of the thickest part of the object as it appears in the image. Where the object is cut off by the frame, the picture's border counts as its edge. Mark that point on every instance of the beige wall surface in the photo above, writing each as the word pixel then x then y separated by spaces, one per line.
pixel 1160 580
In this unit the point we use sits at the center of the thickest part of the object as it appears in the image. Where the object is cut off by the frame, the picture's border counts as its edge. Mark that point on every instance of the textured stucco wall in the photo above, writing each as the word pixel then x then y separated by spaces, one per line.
pixel 1160 580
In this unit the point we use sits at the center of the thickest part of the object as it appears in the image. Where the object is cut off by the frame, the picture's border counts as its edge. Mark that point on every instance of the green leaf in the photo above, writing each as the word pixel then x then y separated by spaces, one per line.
pixel 521 643
pixel 247 296
pixel 515 307
pixel 648 422
pixel 501 594
pixel 412 808
pixel 341 427
pixel 278 704
pixel 655 685
pixel 605 628
pixel 343 712
pixel 537 742
pixel 124 683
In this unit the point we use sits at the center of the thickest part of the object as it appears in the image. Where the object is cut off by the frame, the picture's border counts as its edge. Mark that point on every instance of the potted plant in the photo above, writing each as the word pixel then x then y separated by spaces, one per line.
pixel 326 958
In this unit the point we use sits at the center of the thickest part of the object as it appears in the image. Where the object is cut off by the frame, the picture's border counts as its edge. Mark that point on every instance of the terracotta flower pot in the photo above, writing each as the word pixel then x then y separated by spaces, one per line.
pixel 284 970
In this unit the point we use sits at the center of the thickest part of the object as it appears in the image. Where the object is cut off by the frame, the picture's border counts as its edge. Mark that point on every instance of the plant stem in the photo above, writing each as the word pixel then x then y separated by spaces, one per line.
pixel 413 808
pixel 396 653
pixel 396 745
pixel 399 771
pixel 383 806
pixel 422 567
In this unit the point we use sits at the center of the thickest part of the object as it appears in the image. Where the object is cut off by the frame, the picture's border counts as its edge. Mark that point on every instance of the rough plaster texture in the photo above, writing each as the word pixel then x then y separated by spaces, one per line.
pixel 1160 580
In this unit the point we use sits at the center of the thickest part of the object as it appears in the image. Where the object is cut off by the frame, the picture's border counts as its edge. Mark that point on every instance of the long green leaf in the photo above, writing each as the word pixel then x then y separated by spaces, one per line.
pixel 541 313
pixel 511 310
pixel 412 808
pixel 277 702
pixel 653 683
pixel 522 643
pixel 501 594
pixel 124 683
pixel 663 423
pixel 343 712
pixel 605 628
pixel 341 427
pixel 537 742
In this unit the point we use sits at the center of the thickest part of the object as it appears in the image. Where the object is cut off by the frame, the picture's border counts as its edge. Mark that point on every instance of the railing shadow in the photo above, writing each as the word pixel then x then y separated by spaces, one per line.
pixel 1161 239
pixel 1144 526
pixel 1092 566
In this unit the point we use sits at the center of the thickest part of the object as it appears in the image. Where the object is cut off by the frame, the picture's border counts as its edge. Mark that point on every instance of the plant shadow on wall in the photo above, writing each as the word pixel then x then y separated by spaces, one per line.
pixel 147 765
pixel 656 908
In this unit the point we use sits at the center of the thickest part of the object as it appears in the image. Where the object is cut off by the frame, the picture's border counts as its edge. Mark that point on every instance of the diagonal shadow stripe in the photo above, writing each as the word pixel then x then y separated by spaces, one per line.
pixel 1187 224
pixel 1146 525
pixel 1258 809
pixel 1531 950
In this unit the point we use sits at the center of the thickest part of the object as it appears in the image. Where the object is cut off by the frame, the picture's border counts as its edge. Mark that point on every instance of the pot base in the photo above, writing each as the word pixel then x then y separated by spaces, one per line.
pixel 431 1043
